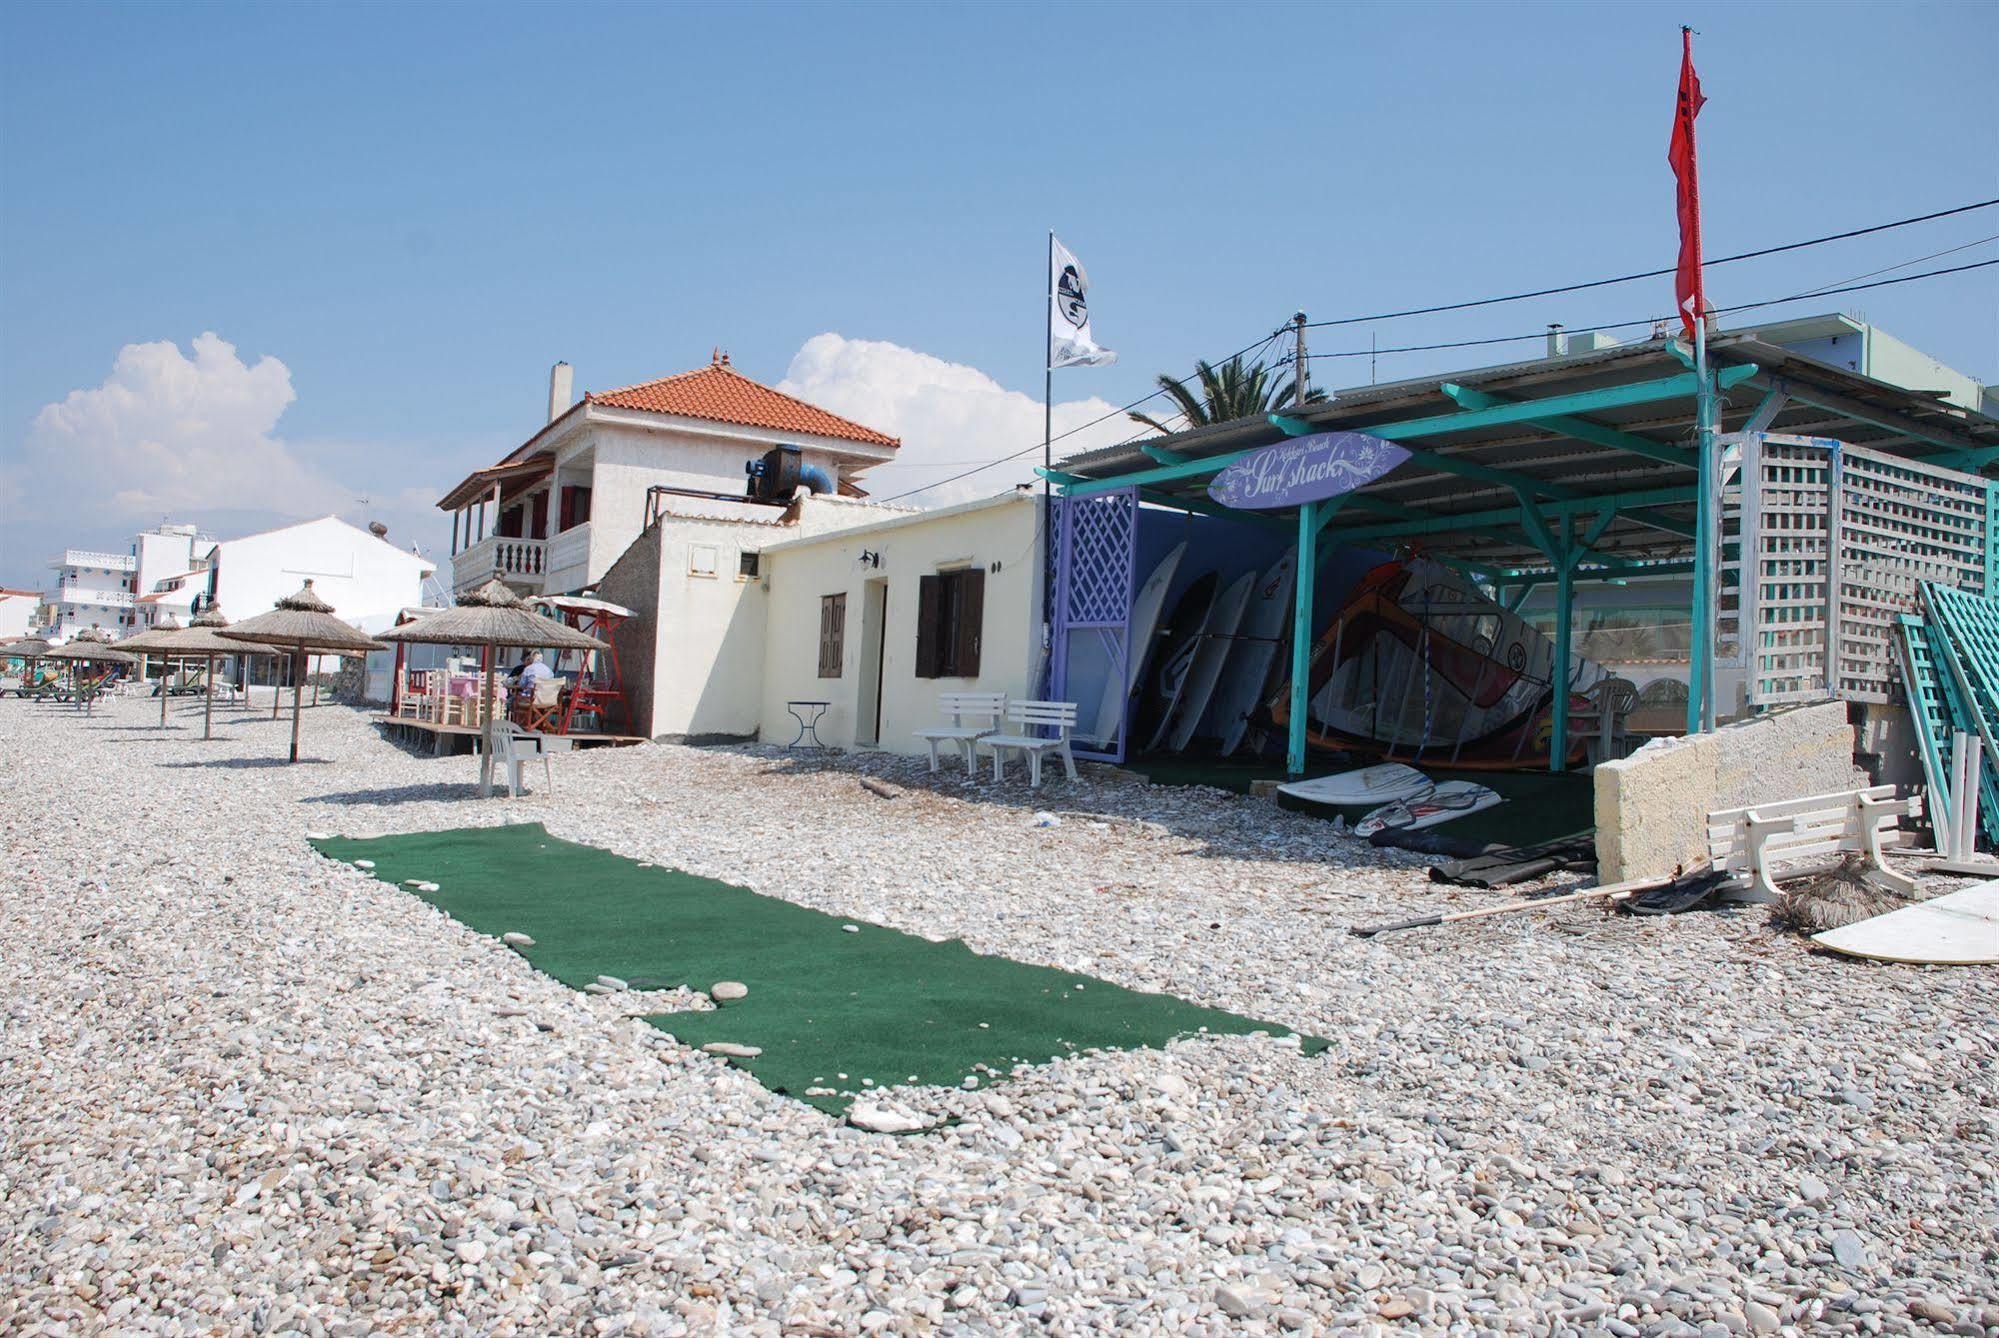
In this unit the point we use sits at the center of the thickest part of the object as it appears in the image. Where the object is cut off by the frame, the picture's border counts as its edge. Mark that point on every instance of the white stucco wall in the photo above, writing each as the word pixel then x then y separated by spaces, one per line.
pixel 365 579
pixel 1000 532
pixel 17 611
pixel 629 459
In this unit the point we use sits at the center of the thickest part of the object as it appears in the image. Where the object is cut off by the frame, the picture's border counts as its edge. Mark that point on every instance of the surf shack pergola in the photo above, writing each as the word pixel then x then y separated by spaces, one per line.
pixel 1566 470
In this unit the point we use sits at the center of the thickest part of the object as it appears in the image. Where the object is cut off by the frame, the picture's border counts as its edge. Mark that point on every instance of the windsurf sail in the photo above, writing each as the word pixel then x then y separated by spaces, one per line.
pixel 1419 660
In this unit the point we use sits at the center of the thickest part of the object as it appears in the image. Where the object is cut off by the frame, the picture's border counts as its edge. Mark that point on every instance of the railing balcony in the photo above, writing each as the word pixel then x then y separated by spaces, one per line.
pixel 85 557
pixel 83 594
pixel 515 561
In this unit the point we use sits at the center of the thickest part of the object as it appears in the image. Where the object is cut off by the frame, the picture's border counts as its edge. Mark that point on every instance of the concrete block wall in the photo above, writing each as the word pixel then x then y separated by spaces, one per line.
pixel 1652 807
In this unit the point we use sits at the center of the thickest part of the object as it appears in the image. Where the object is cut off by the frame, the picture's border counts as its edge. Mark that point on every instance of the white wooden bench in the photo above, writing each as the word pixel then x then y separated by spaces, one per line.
pixel 1027 721
pixel 1749 842
pixel 965 709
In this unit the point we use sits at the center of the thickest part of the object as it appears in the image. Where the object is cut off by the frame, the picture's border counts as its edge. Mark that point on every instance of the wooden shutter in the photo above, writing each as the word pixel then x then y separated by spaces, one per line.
pixel 970 607
pixel 832 634
pixel 539 521
pixel 929 627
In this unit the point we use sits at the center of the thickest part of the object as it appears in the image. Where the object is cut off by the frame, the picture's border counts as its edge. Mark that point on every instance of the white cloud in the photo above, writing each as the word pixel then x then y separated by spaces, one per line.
pixel 188 436
pixel 949 416
pixel 166 433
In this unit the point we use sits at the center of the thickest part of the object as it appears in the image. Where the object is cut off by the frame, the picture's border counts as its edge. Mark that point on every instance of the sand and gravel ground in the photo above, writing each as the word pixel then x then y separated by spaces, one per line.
pixel 244 1089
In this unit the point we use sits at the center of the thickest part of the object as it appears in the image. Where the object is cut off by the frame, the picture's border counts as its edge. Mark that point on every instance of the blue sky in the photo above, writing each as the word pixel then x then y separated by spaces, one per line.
pixel 416 209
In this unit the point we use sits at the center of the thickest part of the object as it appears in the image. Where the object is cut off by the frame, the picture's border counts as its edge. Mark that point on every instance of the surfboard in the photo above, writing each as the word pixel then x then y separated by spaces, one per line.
pixel 1145 607
pixel 1217 644
pixel 1957 929
pixel 1368 787
pixel 1179 644
pixel 1257 643
pixel 1444 803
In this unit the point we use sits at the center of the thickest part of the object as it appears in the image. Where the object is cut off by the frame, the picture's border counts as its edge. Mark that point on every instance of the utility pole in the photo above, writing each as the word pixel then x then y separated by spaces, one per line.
pixel 1300 366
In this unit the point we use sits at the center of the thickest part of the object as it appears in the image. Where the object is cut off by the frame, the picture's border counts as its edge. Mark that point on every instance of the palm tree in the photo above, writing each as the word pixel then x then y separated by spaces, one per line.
pixel 1230 391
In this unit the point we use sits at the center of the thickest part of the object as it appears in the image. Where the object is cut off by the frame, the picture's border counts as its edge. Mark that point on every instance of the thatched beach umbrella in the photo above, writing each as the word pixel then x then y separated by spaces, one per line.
pixel 489 617
pixel 202 640
pixel 302 624
pixel 153 641
pixel 90 646
pixel 29 650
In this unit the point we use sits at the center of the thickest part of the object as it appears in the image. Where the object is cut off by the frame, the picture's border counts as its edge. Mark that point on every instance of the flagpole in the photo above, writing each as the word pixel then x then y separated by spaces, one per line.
pixel 1047 526
pixel 1048 375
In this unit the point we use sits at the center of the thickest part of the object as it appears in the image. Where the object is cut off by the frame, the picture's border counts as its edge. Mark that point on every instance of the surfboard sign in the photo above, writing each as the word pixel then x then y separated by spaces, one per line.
pixel 1305 469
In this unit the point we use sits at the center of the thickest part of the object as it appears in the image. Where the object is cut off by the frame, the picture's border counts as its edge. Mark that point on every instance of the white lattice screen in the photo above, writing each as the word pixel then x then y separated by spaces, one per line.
pixel 1806 515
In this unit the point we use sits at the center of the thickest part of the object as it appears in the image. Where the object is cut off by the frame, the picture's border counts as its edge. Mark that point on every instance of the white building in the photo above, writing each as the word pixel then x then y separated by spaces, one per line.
pixel 17 613
pixel 92 589
pixel 555 513
pixel 641 494
pixel 104 589
pixel 878 620
pixel 363 576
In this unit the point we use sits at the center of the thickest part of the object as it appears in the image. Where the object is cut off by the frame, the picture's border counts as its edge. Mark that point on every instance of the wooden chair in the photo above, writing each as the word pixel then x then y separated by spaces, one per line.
pixel 542 712
pixel 974 715
pixel 1749 841
pixel 1027 721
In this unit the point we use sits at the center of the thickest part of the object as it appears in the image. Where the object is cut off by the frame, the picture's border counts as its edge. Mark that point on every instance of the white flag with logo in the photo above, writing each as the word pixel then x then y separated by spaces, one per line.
pixel 1070 343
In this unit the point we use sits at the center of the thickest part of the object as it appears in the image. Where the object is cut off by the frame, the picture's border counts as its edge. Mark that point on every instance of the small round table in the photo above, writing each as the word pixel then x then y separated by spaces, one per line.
pixel 805 726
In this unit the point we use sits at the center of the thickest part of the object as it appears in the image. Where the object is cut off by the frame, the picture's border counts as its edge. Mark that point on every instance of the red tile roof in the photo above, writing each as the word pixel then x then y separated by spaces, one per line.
pixel 721 394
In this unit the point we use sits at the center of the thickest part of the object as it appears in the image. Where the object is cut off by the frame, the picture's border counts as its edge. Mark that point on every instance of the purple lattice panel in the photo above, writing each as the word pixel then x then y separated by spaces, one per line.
pixel 1098 549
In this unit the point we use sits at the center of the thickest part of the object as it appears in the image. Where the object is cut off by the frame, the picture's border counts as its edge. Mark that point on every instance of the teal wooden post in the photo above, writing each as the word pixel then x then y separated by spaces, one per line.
pixel 1301 634
pixel 1565 616
pixel 1700 711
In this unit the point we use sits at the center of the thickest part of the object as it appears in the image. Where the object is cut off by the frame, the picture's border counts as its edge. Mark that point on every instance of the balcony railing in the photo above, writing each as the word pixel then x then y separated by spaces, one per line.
pixel 571 550
pixel 84 557
pixel 83 594
pixel 516 561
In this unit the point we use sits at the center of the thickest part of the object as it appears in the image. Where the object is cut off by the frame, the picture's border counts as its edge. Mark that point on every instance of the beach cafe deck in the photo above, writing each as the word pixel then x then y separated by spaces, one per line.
pixel 583 705
pixel 1607 466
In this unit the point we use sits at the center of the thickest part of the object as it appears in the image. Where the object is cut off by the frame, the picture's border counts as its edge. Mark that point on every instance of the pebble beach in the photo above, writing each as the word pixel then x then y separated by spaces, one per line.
pixel 245 1089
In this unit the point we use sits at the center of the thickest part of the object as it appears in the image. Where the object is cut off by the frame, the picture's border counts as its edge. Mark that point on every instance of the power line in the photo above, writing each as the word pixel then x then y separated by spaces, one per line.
pixel 1655 273
pixel 1265 342
pixel 1718 311
pixel 1257 345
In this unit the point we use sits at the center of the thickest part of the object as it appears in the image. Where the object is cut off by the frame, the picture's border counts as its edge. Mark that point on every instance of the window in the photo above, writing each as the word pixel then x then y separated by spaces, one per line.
pixel 832 634
pixel 950 617
pixel 701 559
pixel 746 566
pixel 575 507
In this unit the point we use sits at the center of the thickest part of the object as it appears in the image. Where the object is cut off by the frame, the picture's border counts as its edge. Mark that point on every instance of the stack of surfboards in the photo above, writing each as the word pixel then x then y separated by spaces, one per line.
pixel 1394 797
pixel 1205 667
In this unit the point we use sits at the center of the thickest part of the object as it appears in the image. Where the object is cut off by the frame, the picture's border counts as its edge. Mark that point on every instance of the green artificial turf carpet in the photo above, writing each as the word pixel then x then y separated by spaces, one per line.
pixel 827 1007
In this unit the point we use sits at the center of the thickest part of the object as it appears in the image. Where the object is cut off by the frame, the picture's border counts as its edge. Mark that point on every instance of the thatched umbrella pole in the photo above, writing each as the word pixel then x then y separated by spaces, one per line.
pixel 301 624
pixel 298 691
pixel 208 697
pixel 155 642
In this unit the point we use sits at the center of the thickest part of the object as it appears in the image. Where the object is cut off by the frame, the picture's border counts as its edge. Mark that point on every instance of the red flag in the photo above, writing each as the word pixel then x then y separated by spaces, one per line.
pixel 1688 290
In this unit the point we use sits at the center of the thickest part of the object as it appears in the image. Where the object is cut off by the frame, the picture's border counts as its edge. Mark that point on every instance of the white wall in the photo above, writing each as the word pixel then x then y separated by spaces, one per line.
pixel 16 612
pixel 708 658
pixel 629 460
pixel 1000 531
pixel 365 579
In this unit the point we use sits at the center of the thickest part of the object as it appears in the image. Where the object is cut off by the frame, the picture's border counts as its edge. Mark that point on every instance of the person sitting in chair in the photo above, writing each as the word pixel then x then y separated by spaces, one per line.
pixel 531 672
